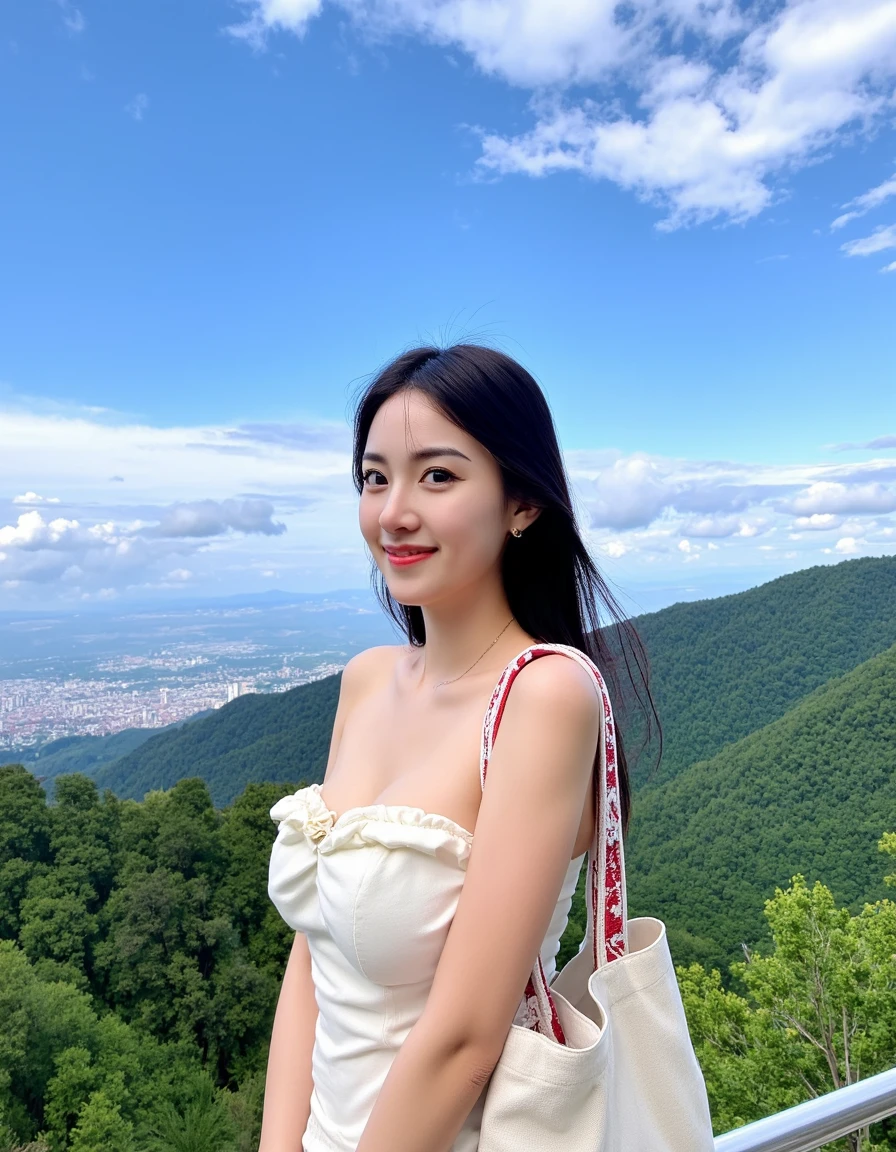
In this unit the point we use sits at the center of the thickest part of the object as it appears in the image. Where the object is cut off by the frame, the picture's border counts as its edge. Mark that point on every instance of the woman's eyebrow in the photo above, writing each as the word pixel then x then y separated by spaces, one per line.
pixel 420 454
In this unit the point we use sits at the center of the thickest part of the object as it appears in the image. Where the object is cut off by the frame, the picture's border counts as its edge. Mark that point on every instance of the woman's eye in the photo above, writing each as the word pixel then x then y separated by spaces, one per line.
pixel 373 478
pixel 439 475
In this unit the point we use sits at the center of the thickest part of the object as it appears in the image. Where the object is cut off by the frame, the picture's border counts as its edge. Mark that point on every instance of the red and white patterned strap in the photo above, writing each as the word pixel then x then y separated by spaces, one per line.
pixel 606 935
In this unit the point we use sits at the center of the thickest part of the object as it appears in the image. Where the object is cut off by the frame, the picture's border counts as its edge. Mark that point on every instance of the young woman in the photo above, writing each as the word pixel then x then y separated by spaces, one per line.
pixel 419 898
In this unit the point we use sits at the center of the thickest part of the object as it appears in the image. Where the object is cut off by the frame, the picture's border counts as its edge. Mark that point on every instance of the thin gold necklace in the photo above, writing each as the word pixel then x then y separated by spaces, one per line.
pixel 478 658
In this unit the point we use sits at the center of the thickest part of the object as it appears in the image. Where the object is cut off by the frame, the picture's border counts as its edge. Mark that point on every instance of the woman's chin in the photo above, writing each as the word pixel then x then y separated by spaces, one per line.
pixel 402 593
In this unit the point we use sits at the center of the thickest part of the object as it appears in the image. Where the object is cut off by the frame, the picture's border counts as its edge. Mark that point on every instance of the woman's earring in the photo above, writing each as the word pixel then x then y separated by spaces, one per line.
pixel 516 532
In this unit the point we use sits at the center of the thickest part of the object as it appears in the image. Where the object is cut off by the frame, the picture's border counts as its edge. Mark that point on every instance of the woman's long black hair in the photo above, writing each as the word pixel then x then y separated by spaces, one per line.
pixel 552 585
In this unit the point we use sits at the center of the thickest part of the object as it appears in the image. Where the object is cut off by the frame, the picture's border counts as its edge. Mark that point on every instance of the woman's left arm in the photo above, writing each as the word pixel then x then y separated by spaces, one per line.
pixel 539 776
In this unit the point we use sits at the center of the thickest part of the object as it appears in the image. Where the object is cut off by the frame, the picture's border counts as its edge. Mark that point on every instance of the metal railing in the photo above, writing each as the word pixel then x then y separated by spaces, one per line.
pixel 808 1126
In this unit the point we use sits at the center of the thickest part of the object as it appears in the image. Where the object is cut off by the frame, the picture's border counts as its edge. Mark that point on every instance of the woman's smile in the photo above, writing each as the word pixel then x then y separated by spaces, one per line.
pixel 403 554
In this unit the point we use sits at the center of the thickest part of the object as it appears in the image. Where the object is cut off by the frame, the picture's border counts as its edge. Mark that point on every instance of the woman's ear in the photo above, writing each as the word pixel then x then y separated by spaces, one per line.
pixel 524 515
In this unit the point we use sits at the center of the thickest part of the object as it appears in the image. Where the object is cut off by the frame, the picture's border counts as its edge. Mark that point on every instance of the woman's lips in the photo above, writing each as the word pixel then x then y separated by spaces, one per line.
pixel 403 559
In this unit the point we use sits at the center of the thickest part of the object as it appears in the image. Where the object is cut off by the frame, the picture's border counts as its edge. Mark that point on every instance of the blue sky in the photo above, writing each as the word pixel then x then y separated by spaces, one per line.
pixel 216 217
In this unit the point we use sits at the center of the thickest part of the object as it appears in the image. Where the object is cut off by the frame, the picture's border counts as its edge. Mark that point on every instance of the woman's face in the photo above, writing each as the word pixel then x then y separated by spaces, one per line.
pixel 432 509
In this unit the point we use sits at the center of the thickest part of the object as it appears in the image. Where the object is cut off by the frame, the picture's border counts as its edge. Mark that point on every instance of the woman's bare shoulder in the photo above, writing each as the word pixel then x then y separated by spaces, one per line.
pixel 370 668
pixel 557 685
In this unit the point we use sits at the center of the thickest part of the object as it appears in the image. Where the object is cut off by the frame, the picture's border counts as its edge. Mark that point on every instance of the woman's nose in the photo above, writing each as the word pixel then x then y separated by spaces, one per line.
pixel 398 511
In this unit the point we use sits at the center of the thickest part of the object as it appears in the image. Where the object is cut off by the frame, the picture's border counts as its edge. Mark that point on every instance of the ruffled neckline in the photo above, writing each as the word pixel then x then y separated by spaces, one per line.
pixel 307 811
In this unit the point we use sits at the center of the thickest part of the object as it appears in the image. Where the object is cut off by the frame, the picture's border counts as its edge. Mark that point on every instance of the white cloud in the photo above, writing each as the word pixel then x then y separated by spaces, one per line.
pixel 722 526
pixel 33 498
pixel 72 17
pixel 32 532
pixel 848 546
pixel 269 15
pixel 38 550
pixel 765 87
pixel 232 504
pixel 136 108
pixel 880 240
pixel 202 518
pixel 722 499
pixel 818 522
pixel 714 146
pixel 712 526
pixel 209 500
pixel 889 267
pixel 630 493
pixel 722 513
pixel 866 202
pixel 826 497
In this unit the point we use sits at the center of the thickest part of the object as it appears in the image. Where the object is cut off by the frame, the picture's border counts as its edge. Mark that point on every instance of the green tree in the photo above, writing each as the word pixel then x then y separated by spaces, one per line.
pixel 24 841
pixel 101 1127
pixel 245 1109
pixel 201 1124
pixel 9 1143
pixel 56 927
pixel 248 833
pixel 820 1009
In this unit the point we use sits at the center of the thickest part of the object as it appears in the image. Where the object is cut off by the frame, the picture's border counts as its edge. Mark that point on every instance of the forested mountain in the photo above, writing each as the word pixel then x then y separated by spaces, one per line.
pixel 811 793
pixel 140 956
pixel 281 736
pixel 723 668
pixel 752 805
pixel 88 754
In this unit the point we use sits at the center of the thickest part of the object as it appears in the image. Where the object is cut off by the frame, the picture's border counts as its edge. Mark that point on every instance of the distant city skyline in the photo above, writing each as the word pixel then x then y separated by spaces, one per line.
pixel 215 221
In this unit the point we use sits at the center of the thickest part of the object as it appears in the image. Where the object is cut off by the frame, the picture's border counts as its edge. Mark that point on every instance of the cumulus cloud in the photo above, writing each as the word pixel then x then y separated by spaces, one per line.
pixel 33 498
pixel 723 499
pixel 826 496
pixel 630 493
pixel 38 550
pixel 848 546
pixel 818 522
pixel 286 505
pixel 184 508
pixel 645 509
pixel 213 517
pixel 32 533
pixel 763 89
pixel 866 202
pixel 719 526
pixel 267 15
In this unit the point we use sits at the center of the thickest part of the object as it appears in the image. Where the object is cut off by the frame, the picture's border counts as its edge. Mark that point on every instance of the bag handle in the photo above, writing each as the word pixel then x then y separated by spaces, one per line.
pixel 606 934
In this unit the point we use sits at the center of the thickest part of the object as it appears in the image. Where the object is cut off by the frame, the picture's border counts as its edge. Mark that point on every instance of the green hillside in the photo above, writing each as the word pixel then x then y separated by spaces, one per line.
pixel 88 754
pixel 812 792
pixel 721 669
pixel 726 667
pixel 280 736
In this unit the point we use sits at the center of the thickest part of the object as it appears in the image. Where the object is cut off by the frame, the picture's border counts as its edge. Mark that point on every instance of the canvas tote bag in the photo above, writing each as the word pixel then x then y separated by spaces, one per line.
pixel 605 1062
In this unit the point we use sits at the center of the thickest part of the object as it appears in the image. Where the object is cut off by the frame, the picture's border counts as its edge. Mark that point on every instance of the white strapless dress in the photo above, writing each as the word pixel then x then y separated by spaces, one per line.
pixel 374 892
